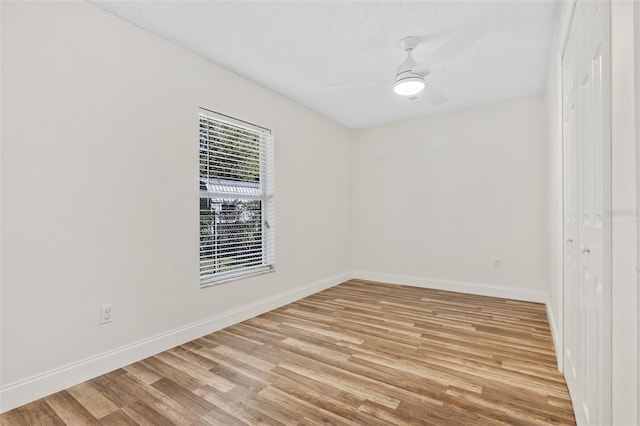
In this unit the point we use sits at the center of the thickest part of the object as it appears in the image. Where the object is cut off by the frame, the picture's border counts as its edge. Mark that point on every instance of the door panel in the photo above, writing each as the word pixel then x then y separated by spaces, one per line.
pixel 586 145
pixel 570 211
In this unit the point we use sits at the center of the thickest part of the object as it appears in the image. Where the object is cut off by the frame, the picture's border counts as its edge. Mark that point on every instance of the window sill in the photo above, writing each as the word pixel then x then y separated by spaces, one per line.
pixel 234 276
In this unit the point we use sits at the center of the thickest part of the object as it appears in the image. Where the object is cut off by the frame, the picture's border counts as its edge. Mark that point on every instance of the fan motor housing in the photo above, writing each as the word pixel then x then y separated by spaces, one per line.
pixel 409 43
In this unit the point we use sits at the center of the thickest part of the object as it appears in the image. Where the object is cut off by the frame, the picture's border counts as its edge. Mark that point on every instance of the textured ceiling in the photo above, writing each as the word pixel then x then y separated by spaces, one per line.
pixel 340 57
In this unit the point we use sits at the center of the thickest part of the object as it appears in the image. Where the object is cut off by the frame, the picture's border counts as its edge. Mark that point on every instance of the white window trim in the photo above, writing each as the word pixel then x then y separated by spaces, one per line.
pixel 263 192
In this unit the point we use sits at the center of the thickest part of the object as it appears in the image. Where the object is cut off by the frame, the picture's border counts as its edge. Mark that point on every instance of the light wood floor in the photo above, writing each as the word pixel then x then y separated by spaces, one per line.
pixel 359 353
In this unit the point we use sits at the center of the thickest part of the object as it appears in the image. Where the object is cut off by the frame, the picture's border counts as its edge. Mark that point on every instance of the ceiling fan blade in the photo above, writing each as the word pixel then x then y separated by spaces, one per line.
pixel 433 96
pixel 423 69
pixel 355 85
pixel 458 42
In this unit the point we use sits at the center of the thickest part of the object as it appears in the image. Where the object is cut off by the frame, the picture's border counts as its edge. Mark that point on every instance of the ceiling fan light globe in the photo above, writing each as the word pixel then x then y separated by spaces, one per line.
pixel 409 86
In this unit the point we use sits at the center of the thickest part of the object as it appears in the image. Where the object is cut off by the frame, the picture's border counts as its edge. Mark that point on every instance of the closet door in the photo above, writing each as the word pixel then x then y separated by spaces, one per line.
pixel 587 146
pixel 570 209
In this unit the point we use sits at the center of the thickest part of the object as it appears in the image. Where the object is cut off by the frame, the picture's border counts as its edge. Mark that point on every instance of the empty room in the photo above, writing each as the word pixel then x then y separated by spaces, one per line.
pixel 319 212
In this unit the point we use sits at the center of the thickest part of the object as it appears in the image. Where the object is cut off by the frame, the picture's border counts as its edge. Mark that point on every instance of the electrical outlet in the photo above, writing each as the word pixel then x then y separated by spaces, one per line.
pixel 497 263
pixel 106 314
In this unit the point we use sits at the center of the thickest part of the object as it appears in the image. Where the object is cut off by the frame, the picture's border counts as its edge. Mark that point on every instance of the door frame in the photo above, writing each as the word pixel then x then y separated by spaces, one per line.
pixel 564 26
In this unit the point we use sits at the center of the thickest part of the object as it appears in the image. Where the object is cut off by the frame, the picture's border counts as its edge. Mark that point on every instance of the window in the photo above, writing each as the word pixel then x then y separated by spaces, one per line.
pixel 236 199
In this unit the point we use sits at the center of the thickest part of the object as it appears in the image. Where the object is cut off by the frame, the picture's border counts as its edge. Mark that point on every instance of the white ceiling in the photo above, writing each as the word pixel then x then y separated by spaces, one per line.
pixel 304 49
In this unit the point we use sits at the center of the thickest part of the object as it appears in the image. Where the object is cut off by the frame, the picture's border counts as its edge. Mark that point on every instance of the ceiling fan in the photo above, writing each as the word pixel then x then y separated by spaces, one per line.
pixel 409 79
pixel 410 76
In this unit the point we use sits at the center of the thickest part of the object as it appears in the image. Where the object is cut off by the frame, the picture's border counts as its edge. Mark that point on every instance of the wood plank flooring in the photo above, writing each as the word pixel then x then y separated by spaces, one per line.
pixel 359 353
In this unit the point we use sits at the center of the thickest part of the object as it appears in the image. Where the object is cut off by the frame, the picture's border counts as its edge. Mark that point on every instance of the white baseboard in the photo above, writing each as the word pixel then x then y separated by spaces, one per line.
pixel 555 334
pixel 480 289
pixel 17 394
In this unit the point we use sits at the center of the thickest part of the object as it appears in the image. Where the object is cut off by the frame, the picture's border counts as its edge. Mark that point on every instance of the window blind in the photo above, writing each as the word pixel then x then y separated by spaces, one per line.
pixel 236 198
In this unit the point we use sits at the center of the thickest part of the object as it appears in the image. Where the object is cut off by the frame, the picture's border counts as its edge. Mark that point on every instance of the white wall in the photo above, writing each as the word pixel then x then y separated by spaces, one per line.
pixel 636 29
pixel 624 278
pixel 436 199
pixel 100 200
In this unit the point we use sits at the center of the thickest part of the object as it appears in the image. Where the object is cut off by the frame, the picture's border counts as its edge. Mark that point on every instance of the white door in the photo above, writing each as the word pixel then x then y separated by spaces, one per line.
pixel 570 207
pixel 587 146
